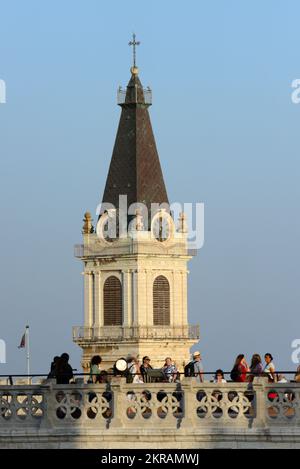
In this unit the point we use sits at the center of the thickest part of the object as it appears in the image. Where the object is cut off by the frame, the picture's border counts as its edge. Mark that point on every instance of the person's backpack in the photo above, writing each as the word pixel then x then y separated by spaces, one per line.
pixel 189 369
pixel 128 375
pixel 235 374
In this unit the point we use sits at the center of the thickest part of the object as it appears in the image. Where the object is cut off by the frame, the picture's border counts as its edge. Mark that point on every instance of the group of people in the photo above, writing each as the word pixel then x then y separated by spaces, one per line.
pixel 242 372
pixel 61 369
pixel 136 372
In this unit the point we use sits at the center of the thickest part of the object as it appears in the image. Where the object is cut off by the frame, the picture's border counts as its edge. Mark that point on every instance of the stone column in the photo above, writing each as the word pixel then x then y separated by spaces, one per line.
pixel 88 299
pixel 149 299
pixel 120 403
pixel 141 293
pixel 98 303
pixel 190 419
pixel 184 296
pixel 176 316
pixel 260 401
pixel 127 298
pixel 134 298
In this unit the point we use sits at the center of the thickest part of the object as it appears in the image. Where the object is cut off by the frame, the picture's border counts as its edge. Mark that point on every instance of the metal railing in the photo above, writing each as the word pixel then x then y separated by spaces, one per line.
pixel 121 95
pixel 208 377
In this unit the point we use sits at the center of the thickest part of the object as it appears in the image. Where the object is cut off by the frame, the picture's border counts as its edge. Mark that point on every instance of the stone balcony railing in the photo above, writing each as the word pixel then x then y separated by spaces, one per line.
pixel 152 415
pixel 121 333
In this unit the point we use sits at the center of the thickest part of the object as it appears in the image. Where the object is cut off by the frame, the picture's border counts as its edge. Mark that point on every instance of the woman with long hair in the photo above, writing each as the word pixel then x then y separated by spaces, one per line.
pixel 240 369
pixel 256 367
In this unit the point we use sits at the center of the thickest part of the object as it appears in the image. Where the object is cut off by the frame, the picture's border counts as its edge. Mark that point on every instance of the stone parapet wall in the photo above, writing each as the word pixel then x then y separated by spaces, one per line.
pixel 150 415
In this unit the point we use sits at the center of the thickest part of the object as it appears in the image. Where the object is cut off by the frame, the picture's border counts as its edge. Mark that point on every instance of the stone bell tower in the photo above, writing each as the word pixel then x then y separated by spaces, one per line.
pixel 135 258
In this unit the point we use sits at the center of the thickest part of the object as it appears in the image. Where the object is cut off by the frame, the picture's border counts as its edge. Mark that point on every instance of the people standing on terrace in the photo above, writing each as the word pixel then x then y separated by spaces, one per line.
pixel 256 367
pixel 198 366
pixel 270 368
pixel 145 366
pixel 170 370
pixel 63 370
pixel 134 370
pixel 95 369
pixel 240 369
pixel 51 374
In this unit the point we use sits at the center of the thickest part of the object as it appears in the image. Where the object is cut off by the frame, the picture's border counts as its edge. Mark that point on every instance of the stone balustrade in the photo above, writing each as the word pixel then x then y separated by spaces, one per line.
pixel 150 415
pixel 107 333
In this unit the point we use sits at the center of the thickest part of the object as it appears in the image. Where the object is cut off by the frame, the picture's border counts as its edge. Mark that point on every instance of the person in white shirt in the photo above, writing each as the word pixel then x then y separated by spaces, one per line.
pixel 219 377
pixel 134 369
pixel 269 369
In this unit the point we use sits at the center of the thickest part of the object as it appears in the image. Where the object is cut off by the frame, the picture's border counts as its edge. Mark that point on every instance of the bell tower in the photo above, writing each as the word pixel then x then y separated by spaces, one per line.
pixel 135 256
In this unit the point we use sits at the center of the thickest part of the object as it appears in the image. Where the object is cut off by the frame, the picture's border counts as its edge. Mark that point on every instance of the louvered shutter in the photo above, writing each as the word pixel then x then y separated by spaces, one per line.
pixel 112 299
pixel 161 301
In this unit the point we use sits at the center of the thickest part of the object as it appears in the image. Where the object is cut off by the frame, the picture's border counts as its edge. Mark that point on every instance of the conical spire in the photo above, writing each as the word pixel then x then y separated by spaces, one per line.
pixel 135 168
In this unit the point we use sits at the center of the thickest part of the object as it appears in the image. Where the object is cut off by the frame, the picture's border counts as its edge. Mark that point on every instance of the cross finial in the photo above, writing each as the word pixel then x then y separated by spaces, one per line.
pixel 134 43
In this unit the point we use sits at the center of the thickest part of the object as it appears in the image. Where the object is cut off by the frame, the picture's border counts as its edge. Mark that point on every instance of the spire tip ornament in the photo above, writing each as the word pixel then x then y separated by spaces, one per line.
pixel 134 69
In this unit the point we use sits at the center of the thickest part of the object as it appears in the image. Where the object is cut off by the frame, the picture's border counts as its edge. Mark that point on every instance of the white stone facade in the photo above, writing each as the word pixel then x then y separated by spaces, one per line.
pixel 136 261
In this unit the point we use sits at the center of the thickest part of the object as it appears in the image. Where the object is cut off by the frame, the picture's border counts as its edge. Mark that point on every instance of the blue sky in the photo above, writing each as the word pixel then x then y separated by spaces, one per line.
pixel 227 134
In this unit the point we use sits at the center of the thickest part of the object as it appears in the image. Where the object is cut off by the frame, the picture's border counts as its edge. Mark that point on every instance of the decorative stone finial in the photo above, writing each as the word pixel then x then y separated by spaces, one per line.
pixel 87 226
pixel 139 225
pixel 182 225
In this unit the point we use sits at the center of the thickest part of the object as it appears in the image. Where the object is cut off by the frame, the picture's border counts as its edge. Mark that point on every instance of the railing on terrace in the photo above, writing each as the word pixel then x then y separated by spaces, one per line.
pixel 136 332
pixel 121 95
pixel 186 405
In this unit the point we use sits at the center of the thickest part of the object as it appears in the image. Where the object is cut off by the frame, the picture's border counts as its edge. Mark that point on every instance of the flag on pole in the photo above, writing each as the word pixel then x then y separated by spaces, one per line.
pixel 23 341
pixel 25 344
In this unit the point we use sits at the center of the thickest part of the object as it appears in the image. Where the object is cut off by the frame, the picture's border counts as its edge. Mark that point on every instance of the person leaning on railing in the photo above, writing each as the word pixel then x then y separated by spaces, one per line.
pixel 169 370
pixel 95 369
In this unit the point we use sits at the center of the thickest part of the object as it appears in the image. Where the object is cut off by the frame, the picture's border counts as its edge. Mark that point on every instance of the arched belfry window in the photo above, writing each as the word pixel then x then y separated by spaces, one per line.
pixel 161 301
pixel 112 301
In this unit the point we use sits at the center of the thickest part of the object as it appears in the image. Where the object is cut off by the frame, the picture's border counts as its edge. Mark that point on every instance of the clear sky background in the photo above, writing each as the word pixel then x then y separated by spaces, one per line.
pixel 227 134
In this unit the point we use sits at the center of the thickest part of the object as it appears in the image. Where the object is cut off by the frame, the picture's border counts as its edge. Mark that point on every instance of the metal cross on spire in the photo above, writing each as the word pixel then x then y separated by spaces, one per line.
pixel 134 43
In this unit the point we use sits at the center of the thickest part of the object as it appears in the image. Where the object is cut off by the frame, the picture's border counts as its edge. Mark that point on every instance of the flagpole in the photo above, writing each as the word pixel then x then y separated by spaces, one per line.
pixel 27 353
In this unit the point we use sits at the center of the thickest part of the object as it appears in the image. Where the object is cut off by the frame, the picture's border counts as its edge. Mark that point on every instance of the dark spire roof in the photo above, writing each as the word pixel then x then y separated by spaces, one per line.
pixel 135 168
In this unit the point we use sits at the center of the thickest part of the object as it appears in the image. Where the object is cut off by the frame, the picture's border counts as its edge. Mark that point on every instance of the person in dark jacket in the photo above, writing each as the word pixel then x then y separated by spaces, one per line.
pixel 51 374
pixel 63 370
pixel 145 367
